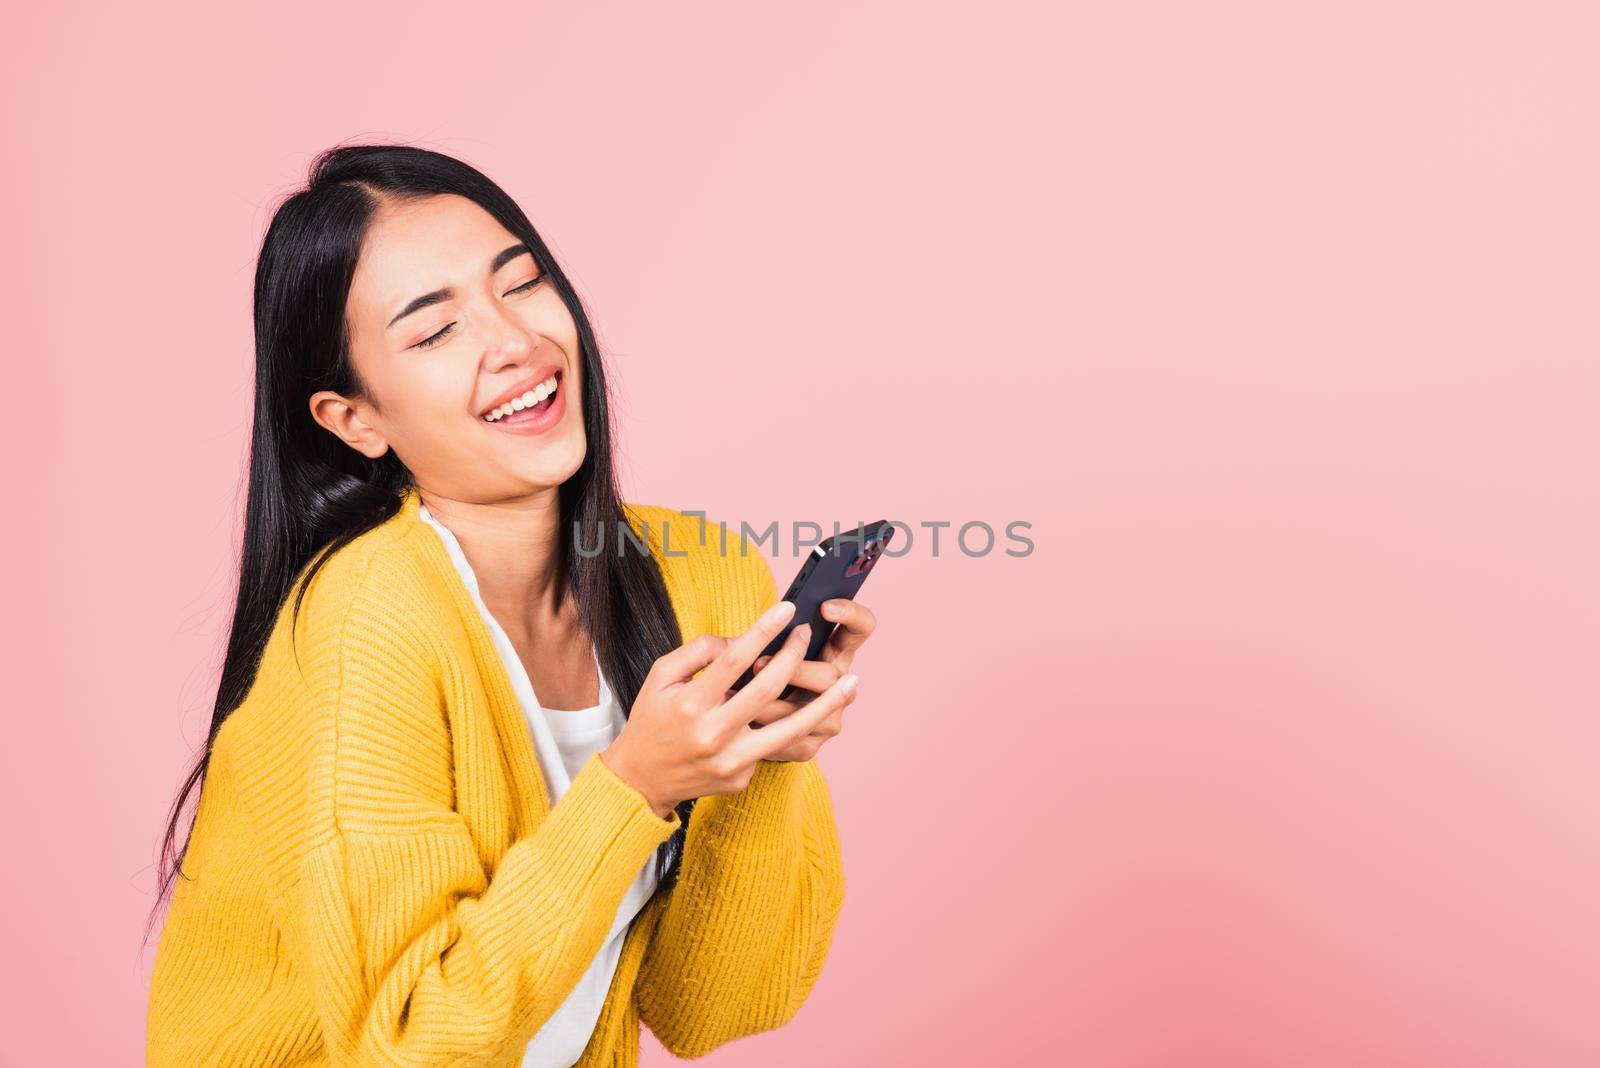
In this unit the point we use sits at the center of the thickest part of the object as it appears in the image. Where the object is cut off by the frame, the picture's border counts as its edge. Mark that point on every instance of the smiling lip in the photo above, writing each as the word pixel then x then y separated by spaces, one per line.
pixel 522 387
pixel 536 420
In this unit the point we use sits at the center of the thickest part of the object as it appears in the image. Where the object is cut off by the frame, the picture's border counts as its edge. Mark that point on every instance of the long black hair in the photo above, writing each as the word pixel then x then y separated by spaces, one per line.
pixel 310 494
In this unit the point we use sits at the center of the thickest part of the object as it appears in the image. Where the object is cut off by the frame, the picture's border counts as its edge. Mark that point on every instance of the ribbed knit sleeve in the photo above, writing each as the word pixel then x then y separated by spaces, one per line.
pixel 414 951
pixel 742 938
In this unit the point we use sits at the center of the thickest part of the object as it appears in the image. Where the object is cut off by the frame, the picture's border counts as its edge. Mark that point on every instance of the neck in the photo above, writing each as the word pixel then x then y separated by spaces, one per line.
pixel 512 546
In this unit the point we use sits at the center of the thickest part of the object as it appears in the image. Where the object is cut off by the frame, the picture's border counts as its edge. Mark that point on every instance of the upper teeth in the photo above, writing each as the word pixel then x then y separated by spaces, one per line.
pixel 528 399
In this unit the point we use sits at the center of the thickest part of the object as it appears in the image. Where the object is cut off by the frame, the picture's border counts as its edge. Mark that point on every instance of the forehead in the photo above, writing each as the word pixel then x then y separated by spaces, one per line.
pixel 415 247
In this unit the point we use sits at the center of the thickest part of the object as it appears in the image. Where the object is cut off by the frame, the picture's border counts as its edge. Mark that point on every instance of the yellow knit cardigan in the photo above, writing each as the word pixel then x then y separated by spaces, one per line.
pixel 376 875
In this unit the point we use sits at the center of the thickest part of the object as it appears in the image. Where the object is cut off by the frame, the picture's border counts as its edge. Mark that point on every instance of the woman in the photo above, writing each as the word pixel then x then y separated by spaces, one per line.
pixel 447 810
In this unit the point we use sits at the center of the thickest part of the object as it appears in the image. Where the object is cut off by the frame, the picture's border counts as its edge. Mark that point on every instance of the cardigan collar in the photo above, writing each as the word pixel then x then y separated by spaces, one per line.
pixel 516 742
pixel 410 505
pixel 511 725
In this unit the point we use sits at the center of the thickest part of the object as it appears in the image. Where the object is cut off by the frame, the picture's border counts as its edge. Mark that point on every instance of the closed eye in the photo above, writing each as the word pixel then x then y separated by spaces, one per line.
pixel 434 339
pixel 429 342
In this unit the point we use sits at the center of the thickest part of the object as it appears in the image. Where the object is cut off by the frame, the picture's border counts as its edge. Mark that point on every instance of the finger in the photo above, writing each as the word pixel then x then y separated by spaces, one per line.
pixel 688 658
pixel 773 711
pixel 807 729
pixel 856 624
pixel 810 678
pixel 729 664
pixel 815 675
pixel 769 683
pixel 775 737
pixel 807 747
pixel 829 727
pixel 804 749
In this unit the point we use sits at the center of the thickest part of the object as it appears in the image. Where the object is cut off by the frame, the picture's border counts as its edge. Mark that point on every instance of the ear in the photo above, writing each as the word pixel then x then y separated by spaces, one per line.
pixel 342 417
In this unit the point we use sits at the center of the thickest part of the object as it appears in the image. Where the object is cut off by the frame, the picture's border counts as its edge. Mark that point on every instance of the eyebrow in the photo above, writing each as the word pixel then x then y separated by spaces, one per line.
pixel 438 296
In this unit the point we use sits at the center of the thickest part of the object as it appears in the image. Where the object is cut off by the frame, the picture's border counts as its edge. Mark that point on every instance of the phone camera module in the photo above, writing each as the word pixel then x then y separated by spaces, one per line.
pixel 868 556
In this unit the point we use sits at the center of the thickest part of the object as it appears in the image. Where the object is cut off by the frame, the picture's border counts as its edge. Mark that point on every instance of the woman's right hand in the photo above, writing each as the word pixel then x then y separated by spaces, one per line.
pixel 689 736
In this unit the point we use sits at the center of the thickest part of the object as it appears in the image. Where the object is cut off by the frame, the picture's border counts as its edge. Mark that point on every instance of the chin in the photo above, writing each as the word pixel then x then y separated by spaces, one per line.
pixel 560 462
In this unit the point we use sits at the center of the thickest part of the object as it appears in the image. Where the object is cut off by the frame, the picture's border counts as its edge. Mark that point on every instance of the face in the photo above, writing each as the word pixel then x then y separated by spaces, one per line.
pixel 469 356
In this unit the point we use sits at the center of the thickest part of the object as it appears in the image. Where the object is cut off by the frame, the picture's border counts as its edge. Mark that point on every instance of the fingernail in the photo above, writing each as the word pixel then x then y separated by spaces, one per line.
pixel 804 631
pixel 762 662
pixel 848 683
pixel 832 608
pixel 778 613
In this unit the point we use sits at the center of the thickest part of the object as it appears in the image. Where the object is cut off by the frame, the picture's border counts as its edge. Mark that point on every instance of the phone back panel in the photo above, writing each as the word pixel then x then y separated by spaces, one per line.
pixel 835 569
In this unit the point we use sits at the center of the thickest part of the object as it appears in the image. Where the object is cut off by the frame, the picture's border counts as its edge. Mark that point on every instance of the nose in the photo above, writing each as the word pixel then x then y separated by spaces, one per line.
pixel 507 341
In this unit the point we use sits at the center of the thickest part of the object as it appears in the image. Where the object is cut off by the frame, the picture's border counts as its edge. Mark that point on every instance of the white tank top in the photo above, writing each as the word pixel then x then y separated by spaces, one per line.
pixel 564 740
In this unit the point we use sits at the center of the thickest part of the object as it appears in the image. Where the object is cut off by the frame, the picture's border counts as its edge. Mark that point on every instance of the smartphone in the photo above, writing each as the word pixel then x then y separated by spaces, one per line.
pixel 836 568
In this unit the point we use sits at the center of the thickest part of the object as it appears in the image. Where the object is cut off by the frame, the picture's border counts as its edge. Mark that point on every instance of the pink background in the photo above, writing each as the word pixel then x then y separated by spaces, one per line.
pixel 1277 321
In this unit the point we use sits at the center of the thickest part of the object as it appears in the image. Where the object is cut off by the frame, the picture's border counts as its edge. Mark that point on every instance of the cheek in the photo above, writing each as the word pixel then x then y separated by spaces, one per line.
pixel 430 401
pixel 550 318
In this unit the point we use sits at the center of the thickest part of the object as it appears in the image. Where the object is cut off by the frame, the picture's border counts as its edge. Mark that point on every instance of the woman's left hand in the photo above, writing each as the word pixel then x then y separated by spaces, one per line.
pixel 855 624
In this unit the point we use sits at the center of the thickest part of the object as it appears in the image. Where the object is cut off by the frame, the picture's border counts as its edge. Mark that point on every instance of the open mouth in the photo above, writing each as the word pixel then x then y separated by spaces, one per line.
pixel 527 406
